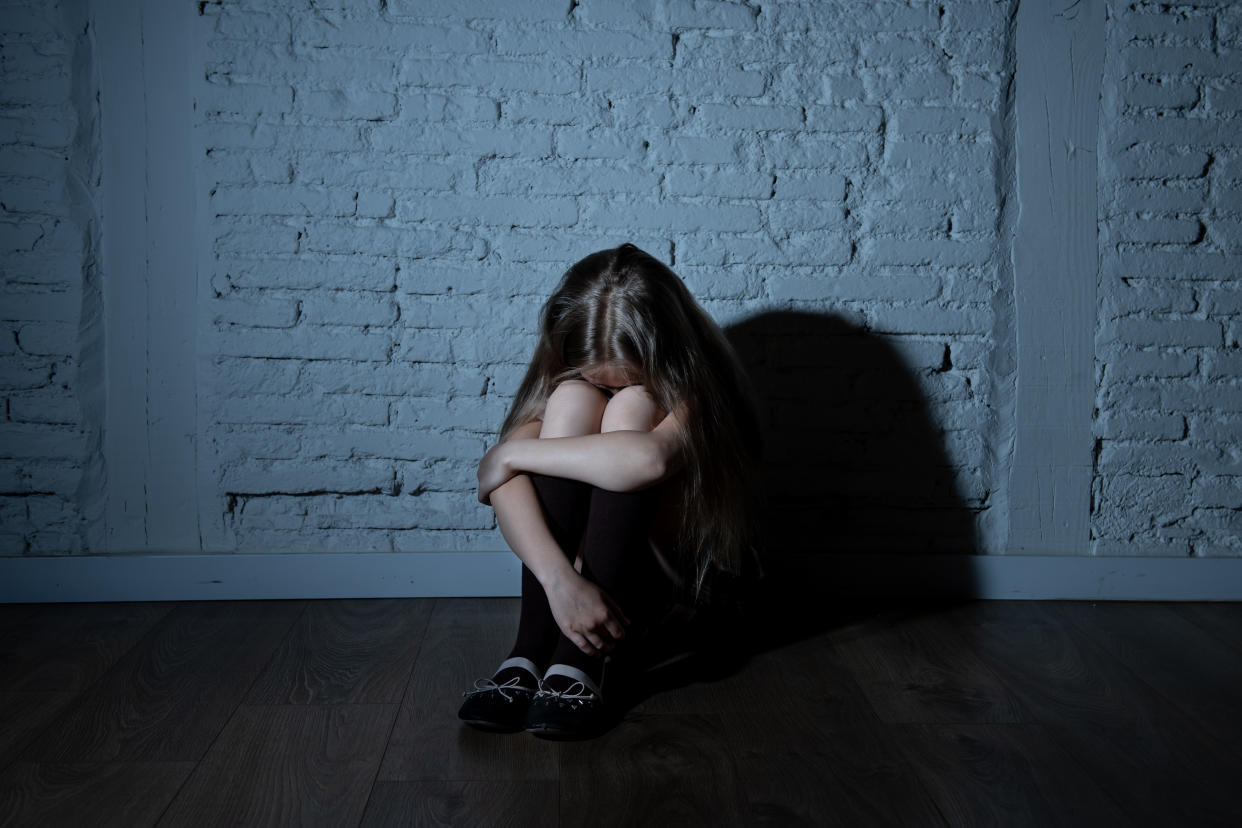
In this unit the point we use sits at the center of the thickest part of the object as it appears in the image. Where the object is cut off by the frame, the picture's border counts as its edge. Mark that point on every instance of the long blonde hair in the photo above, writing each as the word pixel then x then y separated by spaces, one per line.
pixel 624 304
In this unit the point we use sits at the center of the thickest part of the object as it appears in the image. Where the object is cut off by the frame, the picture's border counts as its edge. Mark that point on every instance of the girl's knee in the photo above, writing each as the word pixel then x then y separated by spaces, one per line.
pixel 631 409
pixel 573 408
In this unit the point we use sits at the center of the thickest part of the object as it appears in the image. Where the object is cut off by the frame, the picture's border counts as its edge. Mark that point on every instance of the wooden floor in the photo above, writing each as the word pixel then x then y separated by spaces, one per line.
pixel 342 713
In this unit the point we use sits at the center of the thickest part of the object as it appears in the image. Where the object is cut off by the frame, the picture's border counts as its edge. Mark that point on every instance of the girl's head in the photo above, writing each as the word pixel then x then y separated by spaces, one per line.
pixel 623 314
pixel 621 317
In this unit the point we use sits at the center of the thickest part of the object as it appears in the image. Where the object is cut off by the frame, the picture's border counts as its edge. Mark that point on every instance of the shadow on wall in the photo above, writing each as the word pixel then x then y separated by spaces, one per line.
pixel 853 463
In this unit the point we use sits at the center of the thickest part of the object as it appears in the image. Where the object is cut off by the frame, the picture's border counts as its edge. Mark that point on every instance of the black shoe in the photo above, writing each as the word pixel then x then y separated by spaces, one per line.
pixel 501 707
pixel 575 712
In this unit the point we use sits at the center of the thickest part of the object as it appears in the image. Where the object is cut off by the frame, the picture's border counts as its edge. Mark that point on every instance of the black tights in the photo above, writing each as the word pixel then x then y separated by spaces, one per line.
pixel 612 529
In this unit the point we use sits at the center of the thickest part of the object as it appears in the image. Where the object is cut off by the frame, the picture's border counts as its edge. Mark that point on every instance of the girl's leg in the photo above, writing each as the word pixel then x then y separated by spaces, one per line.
pixel 616 553
pixel 574 408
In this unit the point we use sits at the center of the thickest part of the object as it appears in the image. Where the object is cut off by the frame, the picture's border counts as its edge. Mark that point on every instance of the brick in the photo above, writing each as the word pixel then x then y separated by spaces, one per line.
pixel 634 78
pixel 59 306
pixel 921 84
pixel 306 272
pixel 47 338
pixel 1169 332
pixel 691 149
pixel 394 35
pixel 522 10
pixel 282 201
pixel 786 216
pixel 1222 300
pixel 929 320
pixel 1223 365
pixel 349 104
pixel 304 342
pixel 1162 94
pixel 747 116
pixel 599 143
pixel 554 110
pixel 1141 364
pixel 1174 131
pixel 51 405
pixel 929 252
pixel 497 211
pixel 1185 28
pixel 504 142
pixel 1175 196
pixel 494 74
pixel 1159 231
pixel 833 17
pixel 1129 425
pixel 672 216
pixel 392 380
pixel 245 102
pixel 718 80
pixel 42 442
pixel 812 150
pixel 941 121
pixel 929 156
pixel 561 177
pixel 722 182
pixel 816 184
pixel 1139 56
pixel 245 25
pixel 584 44
pixel 1158 264
pixel 844 118
pixel 709 14
pixel 852 285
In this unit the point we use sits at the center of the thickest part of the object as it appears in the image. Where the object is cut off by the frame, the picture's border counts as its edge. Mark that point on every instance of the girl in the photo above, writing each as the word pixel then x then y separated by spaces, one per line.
pixel 622 475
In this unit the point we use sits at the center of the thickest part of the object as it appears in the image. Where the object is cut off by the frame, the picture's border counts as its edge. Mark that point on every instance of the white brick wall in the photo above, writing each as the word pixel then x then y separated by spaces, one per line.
pixel 392 188
pixel 46 250
pixel 1170 406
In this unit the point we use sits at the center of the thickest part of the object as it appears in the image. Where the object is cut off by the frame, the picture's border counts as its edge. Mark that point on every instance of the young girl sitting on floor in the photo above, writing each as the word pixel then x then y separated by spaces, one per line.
pixel 622 480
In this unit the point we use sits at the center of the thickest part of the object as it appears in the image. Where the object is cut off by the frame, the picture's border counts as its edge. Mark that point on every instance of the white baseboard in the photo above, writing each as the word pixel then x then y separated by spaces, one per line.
pixel 246 577
pixel 446 574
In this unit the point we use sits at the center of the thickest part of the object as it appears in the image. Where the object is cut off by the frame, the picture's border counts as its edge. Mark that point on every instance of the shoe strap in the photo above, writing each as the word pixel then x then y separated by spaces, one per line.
pixel 517 661
pixel 579 677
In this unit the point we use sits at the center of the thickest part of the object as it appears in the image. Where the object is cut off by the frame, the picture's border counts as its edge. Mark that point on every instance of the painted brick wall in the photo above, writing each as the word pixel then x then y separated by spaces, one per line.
pixel 1169 471
pixel 48 174
pixel 390 189
pixel 396 190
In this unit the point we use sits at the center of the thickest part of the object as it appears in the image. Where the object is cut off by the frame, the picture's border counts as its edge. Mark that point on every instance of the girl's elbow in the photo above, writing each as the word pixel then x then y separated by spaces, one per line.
pixel 655 466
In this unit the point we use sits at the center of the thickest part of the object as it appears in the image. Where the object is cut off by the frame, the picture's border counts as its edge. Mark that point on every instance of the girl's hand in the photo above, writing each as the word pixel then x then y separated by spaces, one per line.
pixel 494 472
pixel 585 613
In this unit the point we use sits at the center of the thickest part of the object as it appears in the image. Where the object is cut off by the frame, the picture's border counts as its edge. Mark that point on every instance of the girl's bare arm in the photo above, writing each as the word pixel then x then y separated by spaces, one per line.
pixel 583 612
pixel 619 461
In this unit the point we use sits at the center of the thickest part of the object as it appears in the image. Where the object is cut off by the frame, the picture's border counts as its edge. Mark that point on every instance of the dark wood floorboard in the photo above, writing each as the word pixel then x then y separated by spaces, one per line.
pixel 70 646
pixel 23 716
pixel 1189 667
pixel 344 713
pixel 11 614
pixel 169 697
pixel 450 803
pixel 466 638
pixel 345 652
pixel 914 667
pixel 1011 775
pixel 1221 619
pixel 121 794
pixel 289 765
pixel 1153 760
pixel 652 770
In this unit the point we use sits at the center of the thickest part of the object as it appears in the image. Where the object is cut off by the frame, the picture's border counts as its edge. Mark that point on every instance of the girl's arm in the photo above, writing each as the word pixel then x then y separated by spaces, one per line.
pixel 583 612
pixel 619 461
